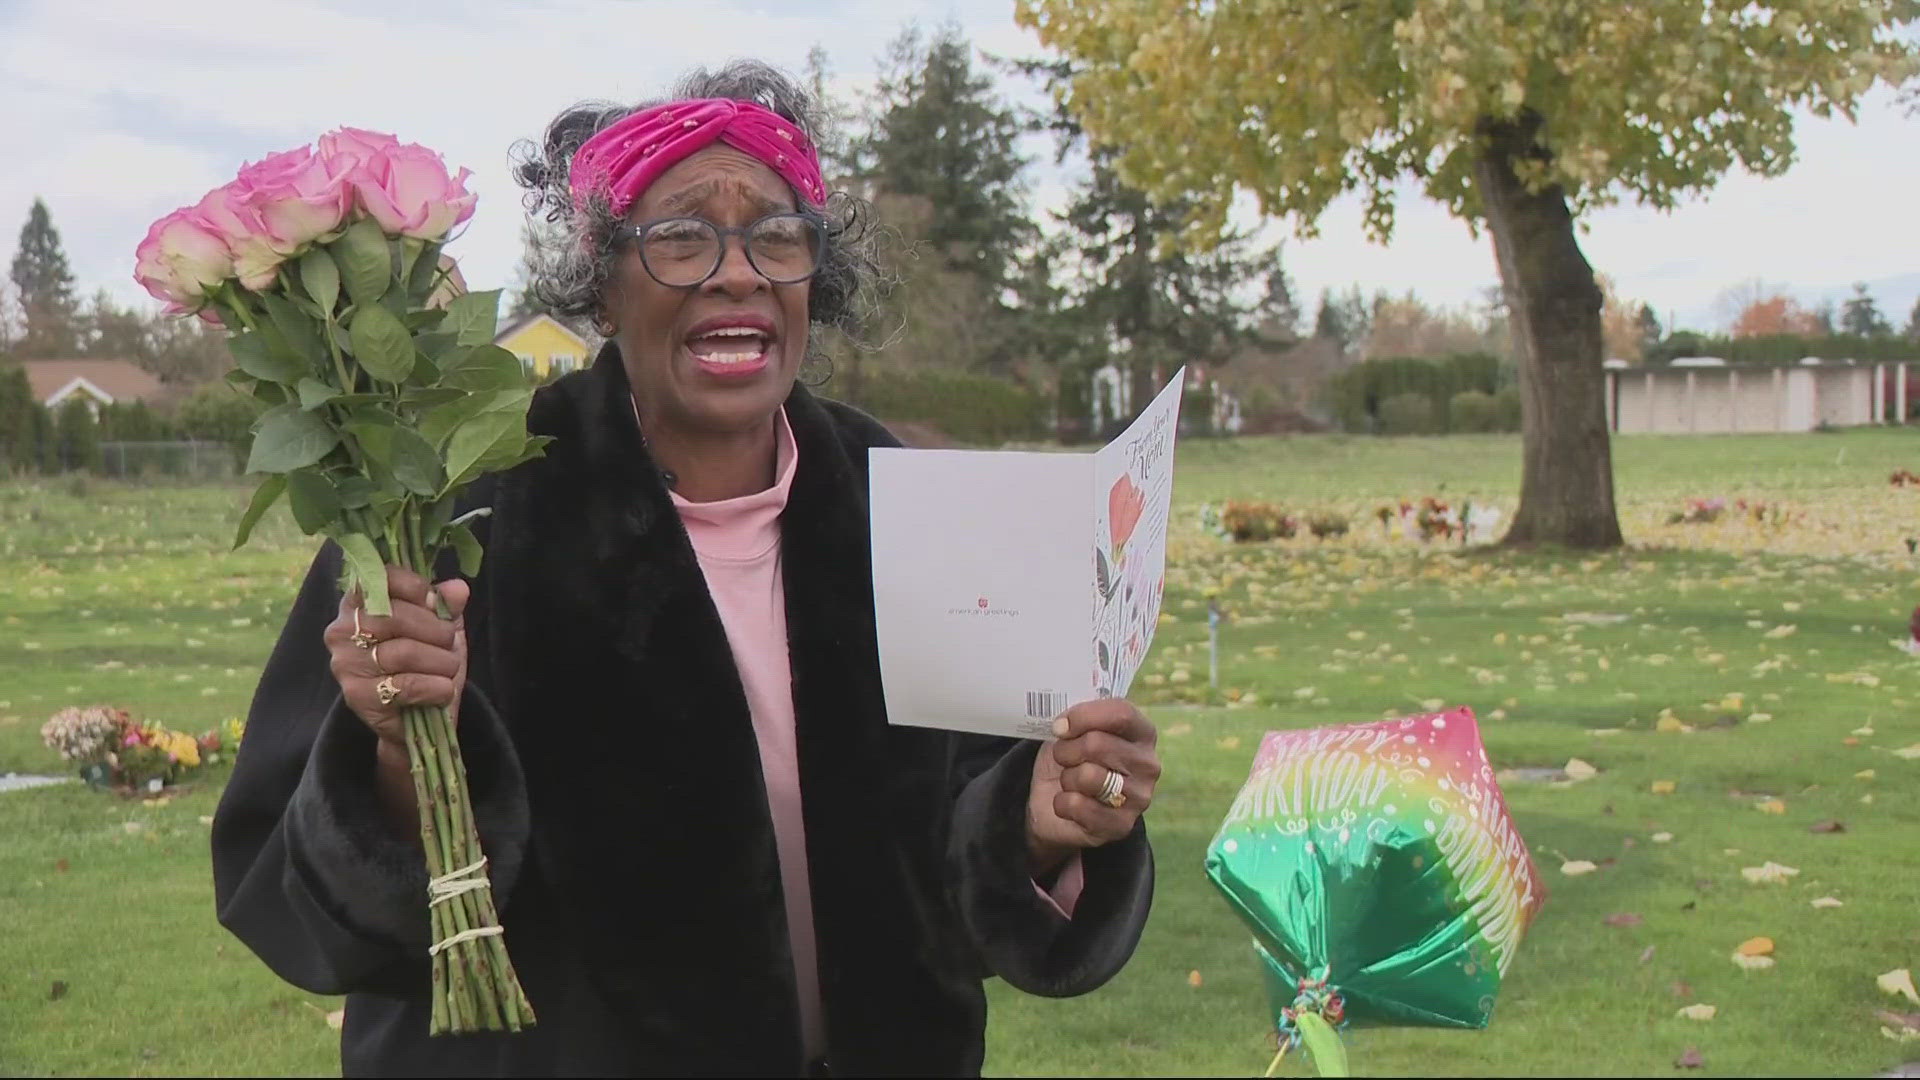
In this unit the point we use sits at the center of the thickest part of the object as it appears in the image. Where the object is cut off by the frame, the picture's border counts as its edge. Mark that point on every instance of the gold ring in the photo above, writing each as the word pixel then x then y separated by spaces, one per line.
pixel 377 665
pixel 360 637
pixel 387 690
pixel 1111 791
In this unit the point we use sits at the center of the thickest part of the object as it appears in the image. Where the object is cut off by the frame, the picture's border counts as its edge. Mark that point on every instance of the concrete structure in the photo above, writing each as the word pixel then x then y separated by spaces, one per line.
pixel 1704 396
pixel 97 382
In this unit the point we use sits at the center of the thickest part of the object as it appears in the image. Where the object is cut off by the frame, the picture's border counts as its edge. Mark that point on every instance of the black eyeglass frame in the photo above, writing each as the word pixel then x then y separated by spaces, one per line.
pixel 637 232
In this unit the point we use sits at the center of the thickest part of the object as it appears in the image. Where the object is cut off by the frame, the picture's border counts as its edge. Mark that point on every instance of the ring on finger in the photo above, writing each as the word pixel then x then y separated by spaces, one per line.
pixel 360 637
pixel 377 665
pixel 387 690
pixel 1112 791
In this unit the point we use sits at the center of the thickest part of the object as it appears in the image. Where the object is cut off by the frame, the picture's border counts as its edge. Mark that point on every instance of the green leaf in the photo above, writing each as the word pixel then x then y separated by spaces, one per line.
pixel 437 346
pixel 426 397
pixel 355 492
pixel 369 573
pixel 321 277
pixel 425 318
pixel 314 393
pixel 272 395
pixel 381 344
pixel 441 420
pixel 300 332
pixel 475 440
pixel 467 547
pixel 253 354
pixel 414 462
pixel 366 269
pixel 290 439
pixel 473 316
pixel 314 501
pixel 484 367
pixel 264 497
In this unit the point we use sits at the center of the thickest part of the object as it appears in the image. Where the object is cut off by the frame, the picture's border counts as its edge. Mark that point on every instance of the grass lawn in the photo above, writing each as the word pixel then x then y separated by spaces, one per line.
pixel 1767 646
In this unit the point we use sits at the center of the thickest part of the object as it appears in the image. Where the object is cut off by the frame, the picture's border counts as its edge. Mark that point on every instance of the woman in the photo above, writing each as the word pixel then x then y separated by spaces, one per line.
pixel 711 852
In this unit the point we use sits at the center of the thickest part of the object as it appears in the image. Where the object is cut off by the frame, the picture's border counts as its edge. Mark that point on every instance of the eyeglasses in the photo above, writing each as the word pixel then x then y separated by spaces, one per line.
pixel 684 252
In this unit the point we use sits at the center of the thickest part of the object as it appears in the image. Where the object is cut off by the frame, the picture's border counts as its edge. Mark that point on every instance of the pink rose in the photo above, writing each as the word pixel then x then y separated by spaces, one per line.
pixel 344 147
pixel 182 257
pixel 408 191
pixel 255 261
pixel 297 196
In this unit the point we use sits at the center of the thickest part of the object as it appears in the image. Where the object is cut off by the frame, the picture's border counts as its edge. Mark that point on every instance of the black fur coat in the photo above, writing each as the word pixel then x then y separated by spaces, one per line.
pixel 619 797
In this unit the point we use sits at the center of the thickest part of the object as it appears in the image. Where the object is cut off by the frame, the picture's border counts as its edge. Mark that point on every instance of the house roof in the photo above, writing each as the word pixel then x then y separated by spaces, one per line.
pixel 120 380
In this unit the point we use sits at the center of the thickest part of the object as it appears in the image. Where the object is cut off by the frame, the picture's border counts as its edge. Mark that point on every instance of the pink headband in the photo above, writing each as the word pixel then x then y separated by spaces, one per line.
pixel 625 159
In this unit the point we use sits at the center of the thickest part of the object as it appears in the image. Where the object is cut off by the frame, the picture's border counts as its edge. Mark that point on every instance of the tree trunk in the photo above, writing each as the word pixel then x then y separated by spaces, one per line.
pixel 1566 479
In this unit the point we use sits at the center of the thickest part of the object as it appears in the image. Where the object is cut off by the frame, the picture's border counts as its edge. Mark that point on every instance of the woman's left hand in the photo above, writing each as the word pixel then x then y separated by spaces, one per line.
pixel 1091 741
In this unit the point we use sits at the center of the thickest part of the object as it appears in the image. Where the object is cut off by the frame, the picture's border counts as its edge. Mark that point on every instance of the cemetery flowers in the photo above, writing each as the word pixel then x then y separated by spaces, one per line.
pixel 113 750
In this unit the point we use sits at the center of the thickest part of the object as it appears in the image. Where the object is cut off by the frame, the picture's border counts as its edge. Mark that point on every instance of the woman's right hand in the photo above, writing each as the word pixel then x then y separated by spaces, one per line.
pixel 413 656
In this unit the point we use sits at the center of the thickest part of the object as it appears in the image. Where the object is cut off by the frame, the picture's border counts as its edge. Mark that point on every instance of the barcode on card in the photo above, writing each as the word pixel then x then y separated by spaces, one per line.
pixel 1046 704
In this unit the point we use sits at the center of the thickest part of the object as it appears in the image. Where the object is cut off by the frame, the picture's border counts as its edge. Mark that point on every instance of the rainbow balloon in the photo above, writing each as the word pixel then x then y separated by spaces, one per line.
pixel 1380 873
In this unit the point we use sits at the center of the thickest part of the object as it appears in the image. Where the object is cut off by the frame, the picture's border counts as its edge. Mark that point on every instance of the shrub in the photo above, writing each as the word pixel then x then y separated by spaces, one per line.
pixel 78 436
pixel 1506 409
pixel 967 407
pixel 1473 411
pixel 1407 414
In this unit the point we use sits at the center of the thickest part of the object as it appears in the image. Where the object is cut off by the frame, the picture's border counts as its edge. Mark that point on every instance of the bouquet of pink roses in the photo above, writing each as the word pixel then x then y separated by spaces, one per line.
pixel 379 404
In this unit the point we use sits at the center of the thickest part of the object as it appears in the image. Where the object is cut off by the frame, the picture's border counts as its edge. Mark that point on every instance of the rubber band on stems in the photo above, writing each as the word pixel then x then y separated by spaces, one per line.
pixel 447 886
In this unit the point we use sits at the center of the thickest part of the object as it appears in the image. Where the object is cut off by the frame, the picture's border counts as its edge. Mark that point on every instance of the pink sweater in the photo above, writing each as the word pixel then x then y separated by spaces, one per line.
pixel 738 544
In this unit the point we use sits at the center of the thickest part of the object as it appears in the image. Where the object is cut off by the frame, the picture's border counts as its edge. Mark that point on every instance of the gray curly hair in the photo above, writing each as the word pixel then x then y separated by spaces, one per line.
pixel 572 248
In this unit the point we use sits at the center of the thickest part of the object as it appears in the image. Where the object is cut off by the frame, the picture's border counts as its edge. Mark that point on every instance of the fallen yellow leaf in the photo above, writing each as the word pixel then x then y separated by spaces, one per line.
pixel 1576 867
pixel 1178 730
pixel 1193 978
pixel 1663 838
pixel 1663 787
pixel 1826 902
pixel 1668 724
pixel 1770 806
pixel 1752 963
pixel 1781 631
pixel 336 1018
pixel 1908 753
pixel 1864 774
pixel 1768 873
pixel 1579 770
pixel 1697 1012
pixel 1899 982
pixel 1756 946
pixel 1231 742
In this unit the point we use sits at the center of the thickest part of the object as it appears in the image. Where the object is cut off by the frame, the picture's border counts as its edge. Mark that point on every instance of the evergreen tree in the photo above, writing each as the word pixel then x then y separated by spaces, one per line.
pixel 1913 321
pixel 77 436
pixel 1861 316
pixel 1155 303
pixel 19 426
pixel 939 133
pixel 44 283
pixel 110 332
pixel 1650 331
pixel 836 139
pixel 1328 323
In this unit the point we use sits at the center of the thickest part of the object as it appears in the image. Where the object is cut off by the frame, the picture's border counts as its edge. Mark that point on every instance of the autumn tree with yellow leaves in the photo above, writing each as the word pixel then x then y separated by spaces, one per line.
pixel 1517 115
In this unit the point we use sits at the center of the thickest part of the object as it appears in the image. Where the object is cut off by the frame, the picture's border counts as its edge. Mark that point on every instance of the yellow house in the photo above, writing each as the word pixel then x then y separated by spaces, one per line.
pixel 546 348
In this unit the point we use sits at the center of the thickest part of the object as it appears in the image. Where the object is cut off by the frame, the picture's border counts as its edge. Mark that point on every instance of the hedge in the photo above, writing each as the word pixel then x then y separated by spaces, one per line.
pixel 968 408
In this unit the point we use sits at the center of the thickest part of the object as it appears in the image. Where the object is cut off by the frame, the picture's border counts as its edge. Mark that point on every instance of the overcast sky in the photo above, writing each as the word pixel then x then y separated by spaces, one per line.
pixel 116 111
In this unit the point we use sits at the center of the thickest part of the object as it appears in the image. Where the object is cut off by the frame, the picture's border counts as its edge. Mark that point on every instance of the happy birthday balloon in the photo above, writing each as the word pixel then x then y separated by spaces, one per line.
pixel 1380 873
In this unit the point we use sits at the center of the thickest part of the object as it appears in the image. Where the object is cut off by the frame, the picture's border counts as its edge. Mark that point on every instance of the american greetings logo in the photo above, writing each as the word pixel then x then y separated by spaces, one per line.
pixel 984 607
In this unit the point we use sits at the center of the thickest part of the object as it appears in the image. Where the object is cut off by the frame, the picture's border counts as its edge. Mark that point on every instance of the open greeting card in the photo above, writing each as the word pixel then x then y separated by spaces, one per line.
pixel 1009 586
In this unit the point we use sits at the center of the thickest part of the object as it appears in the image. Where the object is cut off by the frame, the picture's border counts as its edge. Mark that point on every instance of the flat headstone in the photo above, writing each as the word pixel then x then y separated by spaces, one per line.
pixel 23 781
